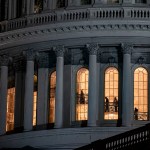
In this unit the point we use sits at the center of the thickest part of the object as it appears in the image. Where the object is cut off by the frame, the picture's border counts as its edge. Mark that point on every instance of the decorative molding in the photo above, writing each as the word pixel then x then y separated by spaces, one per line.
pixel 78 28
pixel 111 60
pixel 4 60
pixel 92 48
pixel 127 48
pixel 141 60
pixel 59 50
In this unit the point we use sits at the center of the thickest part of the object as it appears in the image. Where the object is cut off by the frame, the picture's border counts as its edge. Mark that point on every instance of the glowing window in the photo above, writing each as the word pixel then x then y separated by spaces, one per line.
pixel 52 97
pixel 10 109
pixel 111 94
pixel 140 94
pixel 82 94
pixel 38 6
pixel 34 100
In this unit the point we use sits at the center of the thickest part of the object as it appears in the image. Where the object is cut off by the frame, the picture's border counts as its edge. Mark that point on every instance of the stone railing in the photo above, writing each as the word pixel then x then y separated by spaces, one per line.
pixel 76 15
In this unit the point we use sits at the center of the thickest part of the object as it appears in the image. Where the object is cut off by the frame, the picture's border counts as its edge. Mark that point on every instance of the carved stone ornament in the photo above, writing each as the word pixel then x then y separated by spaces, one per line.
pixel 111 60
pixel 59 50
pixel 43 60
pixel 127 48
pixel 92 48
pixel 141 60
pixel 30 55
pixel 4 60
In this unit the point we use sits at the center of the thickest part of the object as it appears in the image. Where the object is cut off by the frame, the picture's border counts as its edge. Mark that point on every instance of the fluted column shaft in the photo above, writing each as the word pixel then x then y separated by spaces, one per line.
pixel 126 101
pixel 3 93
pixel 30 6
pixel 43 80
pixel 92 100
pixel 29 87
pixel 59 87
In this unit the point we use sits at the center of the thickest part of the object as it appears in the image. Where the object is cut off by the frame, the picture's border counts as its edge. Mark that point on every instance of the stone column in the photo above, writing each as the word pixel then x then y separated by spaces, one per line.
pixel 29 87
pixel 43 82
pixel 14 5
pixel 19 95
pixel 4 60
pixel 92 98
pixel 126 98
pixel 30 6
pixel 9 9
pixel 6 9
pixel 50 4
pixel 59 86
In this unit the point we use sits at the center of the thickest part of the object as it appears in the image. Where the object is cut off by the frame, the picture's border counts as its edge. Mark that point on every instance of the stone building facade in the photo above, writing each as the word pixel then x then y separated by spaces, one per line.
pixel 72 71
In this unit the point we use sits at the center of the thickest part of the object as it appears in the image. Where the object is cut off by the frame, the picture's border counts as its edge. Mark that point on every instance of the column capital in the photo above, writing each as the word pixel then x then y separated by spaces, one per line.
pixel 43 60
pixel 127 48
pixel 92 48
pixel 4 60
pixel 59 50
pixel 29 55
pixel 19 65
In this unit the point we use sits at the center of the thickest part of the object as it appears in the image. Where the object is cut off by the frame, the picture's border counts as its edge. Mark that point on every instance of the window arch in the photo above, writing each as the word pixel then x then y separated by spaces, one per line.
pixel 140 94
pixel 82 94
pixel 52 97
pixel 111 94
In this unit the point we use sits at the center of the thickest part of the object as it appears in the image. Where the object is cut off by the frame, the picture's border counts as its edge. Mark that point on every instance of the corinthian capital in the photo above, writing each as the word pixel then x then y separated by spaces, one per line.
pixel 127 48
pixel 30 55
pixel 92 48
pixel 59 50
pixel 4 60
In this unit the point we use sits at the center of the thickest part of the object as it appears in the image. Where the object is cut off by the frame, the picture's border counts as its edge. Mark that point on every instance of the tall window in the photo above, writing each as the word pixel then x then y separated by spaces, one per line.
pixel 60 3
pixel 140 94
pixel 34 100
pixel 82 94
pixel 10 109
pixel 85 2
pixel 38 6
pixel 111 94
pixel 52 97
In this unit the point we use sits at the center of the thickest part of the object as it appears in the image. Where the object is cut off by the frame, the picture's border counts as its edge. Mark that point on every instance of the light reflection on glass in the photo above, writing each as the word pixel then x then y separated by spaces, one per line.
pixel 140 94
pixel 10 109
pixel 52 97
pixel 82 94
pixel 111 94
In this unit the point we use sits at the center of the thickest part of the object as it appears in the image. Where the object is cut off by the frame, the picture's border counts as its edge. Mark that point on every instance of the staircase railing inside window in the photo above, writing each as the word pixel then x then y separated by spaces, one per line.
pixel 132 139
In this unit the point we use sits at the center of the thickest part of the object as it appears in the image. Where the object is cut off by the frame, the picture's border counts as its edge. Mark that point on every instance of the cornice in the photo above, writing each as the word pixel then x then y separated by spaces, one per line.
pixel 33 33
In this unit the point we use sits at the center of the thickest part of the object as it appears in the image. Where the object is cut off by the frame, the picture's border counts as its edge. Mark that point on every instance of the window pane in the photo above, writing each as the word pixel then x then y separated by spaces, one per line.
pixel 111 94
pixel 82 94
pixel 34 100
pixel 140 94
pixel 52 97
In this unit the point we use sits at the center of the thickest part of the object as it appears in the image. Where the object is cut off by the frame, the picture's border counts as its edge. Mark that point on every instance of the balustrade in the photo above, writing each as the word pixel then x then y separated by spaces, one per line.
pixel 76 15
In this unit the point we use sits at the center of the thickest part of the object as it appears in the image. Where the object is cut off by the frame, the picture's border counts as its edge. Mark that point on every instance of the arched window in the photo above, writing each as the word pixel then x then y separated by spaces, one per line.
pixel 140 94
pixel 111 94
pixel 82 94
pixel 52 97
pixel 10 109
pixel 38 6
pixel 85 2
pixel 34 100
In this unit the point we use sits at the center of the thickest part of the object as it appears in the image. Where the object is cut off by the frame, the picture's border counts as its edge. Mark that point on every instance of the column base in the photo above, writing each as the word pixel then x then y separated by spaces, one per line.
pixel 58 126
pixel 91 124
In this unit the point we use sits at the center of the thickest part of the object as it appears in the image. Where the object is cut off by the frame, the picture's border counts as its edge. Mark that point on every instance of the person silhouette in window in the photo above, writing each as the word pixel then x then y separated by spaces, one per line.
pixel 136 113
pixel 115 103
pixel 106 104
pixel 82 97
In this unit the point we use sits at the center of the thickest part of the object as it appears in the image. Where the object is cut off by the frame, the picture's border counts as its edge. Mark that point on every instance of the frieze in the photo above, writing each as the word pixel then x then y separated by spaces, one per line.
pixel 80 28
